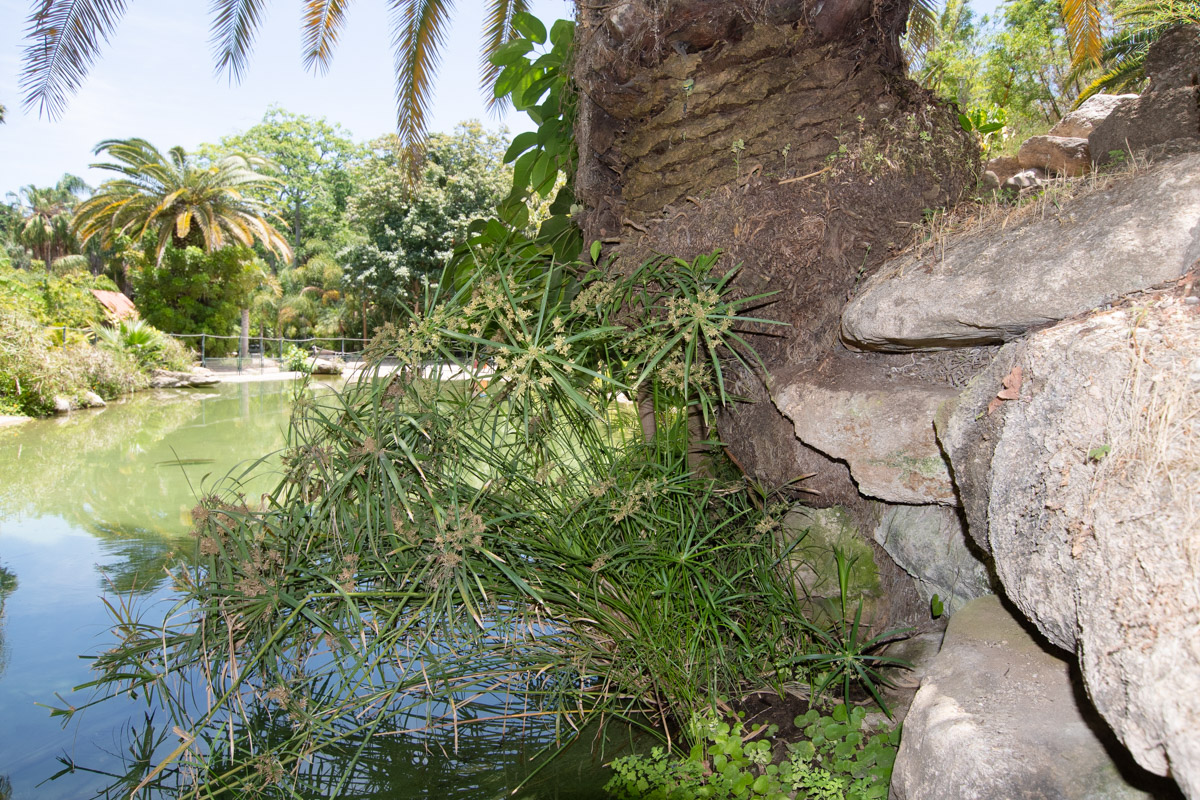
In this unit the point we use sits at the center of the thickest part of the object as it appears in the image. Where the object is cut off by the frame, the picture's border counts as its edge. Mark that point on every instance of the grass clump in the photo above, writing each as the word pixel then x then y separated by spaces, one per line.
pixel 439 554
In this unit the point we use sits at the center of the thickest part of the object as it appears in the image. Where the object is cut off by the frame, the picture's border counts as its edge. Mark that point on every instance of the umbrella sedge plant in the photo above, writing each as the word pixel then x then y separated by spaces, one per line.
pixel 449 546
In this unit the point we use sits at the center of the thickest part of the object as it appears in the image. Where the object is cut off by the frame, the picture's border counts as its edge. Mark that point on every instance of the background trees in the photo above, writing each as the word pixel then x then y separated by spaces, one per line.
pixel 44 218
pixel 312 160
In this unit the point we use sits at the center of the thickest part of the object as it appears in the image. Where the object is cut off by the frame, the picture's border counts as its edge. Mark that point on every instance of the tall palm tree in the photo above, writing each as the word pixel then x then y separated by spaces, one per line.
pixel 65 37
pixel 46 218
pixel 172 199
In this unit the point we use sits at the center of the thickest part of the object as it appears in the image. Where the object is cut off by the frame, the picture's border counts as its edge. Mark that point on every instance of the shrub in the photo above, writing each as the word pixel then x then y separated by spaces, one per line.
pixel 295 360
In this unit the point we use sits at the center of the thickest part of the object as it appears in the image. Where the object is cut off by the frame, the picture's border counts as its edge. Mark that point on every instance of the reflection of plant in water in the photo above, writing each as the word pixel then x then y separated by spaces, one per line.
pixel 8 585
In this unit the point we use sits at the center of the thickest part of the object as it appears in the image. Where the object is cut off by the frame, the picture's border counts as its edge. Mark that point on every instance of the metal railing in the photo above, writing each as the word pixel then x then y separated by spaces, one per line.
pixel 223 353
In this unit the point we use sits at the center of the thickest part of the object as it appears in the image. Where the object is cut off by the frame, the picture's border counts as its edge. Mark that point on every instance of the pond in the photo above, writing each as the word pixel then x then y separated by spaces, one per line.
pixel 93 507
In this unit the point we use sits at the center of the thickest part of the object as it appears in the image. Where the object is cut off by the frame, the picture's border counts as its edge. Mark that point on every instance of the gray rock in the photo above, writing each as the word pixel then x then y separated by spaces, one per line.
pixel 881 428
pixel 997 718
pixel 1004 167
pixel 990 181
pixel 168 379
pixel 92 400
pixel 992 286
pixel 327 366
pixel 1025 179
pixel 1059 155
pixel 62 405
pixel 1169 108
pixel 929 543
pixel 1080 123
pixel 812 536
pixel 1084 488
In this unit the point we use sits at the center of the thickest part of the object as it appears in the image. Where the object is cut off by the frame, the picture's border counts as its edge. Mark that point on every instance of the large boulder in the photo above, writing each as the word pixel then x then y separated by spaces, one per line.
pixel 997 717
pixel 1059 155
pixel 992 285
pixel 1168 110
pixel 929 543
pixel 1077 454
pixel 879 425
pixel 1082 121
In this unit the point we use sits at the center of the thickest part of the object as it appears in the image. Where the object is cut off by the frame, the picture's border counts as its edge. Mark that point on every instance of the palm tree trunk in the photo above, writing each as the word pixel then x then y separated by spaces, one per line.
pixel 244 344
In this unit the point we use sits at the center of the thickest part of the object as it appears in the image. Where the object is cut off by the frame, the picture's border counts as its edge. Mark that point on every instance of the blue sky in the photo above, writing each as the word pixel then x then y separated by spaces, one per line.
pixel 155 80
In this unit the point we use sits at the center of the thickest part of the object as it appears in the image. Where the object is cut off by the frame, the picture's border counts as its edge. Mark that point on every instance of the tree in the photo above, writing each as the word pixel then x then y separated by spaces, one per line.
pixel 312 160
pixel 172 199
pixel 1139 23
pixel 189 290
pixel 407 232
pixel 65 37
pixel 45 218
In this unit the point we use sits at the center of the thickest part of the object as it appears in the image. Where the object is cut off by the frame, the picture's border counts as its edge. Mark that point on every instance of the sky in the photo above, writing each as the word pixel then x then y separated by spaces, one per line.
pixel 155 80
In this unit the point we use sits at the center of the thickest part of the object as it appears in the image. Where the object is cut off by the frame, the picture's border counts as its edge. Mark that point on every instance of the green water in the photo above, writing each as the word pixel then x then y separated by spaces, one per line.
pixel 94 505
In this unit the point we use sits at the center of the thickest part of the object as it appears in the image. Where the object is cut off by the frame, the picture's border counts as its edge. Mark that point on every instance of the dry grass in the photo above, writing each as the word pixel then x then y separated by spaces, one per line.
pixel 997 211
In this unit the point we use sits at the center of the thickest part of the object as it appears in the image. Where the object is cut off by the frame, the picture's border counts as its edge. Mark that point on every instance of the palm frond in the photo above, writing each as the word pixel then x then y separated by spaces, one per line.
pixel 497 30
pixel 64 37
pixel 1085 35
pixel 923 26
pixel 323 21
pixel 418 33
pixel 235 24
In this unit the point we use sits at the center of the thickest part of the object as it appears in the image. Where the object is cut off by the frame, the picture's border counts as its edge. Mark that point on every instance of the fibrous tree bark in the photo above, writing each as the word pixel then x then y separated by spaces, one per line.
pixel 782 132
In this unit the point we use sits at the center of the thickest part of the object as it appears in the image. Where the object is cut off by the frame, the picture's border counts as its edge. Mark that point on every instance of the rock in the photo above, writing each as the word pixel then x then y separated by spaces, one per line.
pixel 92 400
pixel 997 718
pixel 880 426
pixel 1003 166
pixel 1083 487
pixel 1026 179
pixel 990 181
pixel 168 379
pixel 929 543
pixel 1080 123
pixel 326 366
pixel 990 286
pixel 62 405
pixel 818 533
pixel 1056 154
pixel 1169 108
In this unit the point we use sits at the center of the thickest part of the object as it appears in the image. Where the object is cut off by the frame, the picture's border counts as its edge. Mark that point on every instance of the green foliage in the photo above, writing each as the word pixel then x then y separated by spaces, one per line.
pixel 58 300
pixel 144 343
pixel 535 74
pixel 408 232
pixel 191 291
pixel 313 161
pixel 842 653
pixel 522 540
pixel 1138 24
pixel 987 125
pixel 295 360
pixel 34 369
pixel 837 760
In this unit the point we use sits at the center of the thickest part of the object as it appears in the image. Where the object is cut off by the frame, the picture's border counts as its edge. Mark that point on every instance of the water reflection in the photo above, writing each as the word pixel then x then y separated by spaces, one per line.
pixel 8 585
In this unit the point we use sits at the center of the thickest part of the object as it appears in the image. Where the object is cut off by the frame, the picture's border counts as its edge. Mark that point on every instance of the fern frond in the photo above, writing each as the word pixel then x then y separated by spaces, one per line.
pixel 63 39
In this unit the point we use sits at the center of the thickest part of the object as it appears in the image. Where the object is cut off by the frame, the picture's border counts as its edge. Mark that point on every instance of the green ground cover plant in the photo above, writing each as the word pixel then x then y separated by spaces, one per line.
pixel 838 759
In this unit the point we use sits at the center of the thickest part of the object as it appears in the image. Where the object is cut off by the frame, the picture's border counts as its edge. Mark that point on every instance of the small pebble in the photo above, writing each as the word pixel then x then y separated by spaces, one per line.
pixel 1191 300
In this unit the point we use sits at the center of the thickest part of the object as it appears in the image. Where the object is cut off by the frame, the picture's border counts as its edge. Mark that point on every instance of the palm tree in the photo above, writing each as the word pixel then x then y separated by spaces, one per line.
pixel 65 37
pixel 174 200
pixel 46 218
pixel 1139 24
